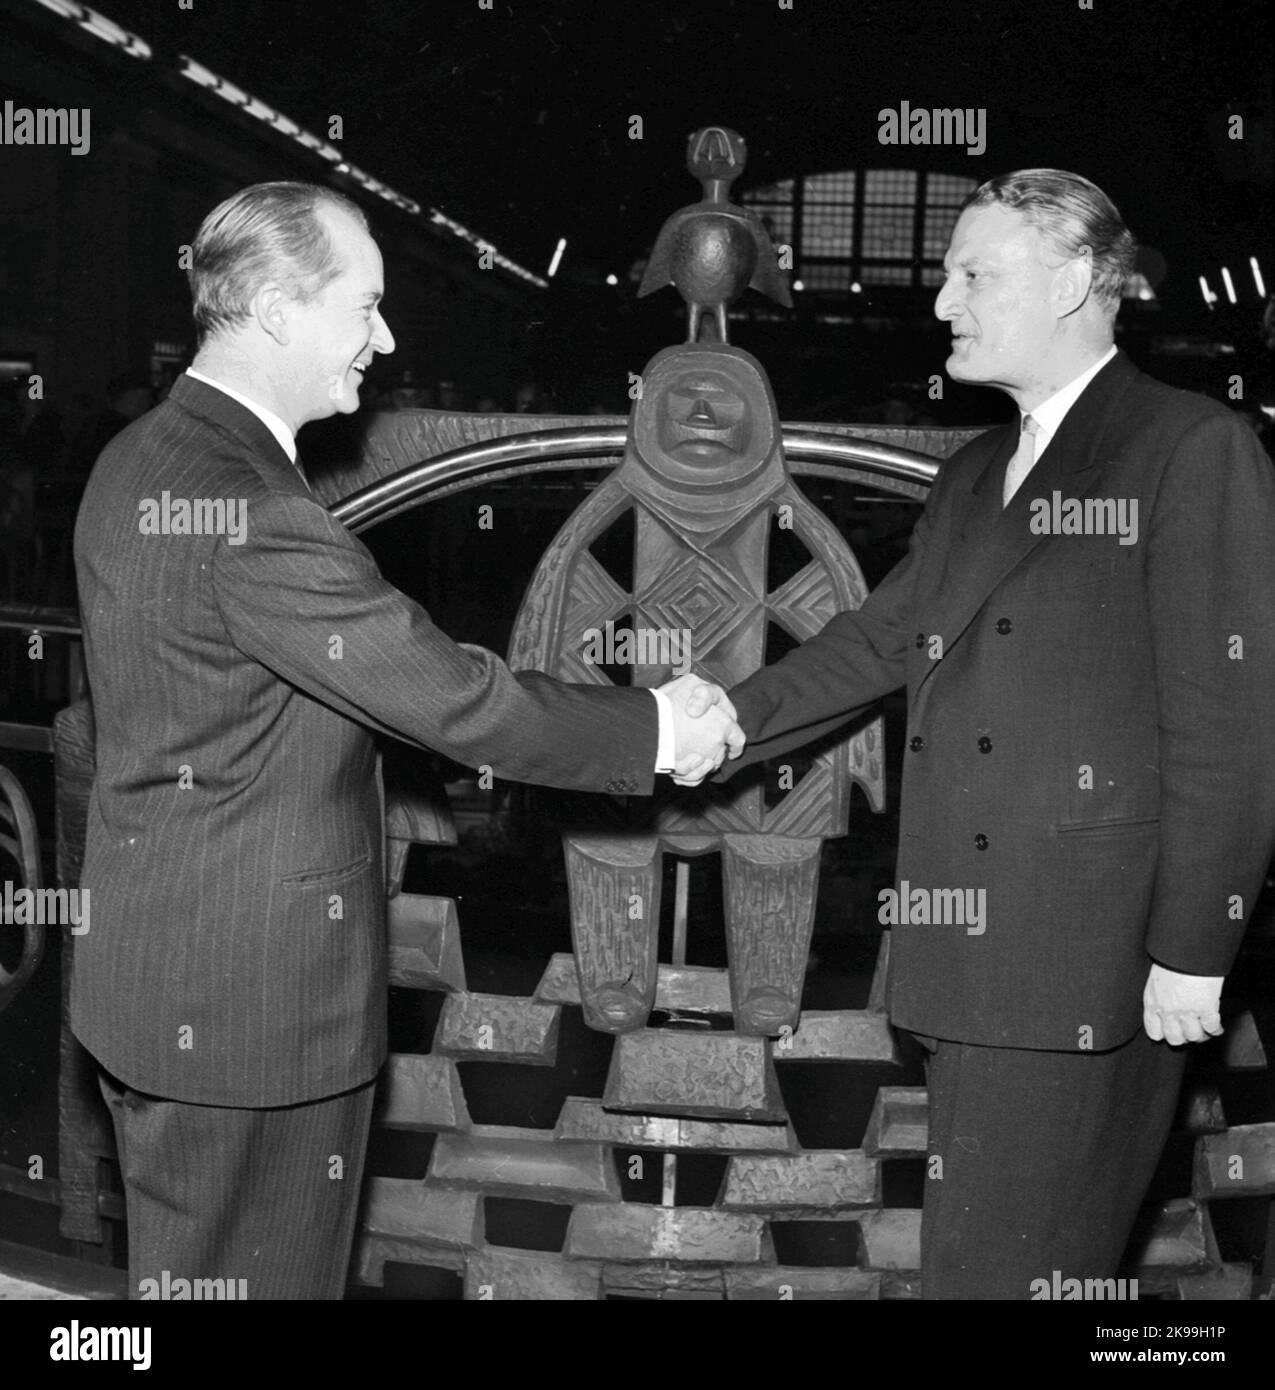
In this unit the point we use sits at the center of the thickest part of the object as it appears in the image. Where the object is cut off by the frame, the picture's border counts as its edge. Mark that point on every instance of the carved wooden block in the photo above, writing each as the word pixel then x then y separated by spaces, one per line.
pixel 615 916
pixel 844 1035
pixel 409 1223
pixel 371 1253
pixel 659 1279
pixel 1242 1044
pixel 689 989
pixel 503 1161
pixel 1179 1242
pixel 1240 1162
pixel 530 1276
pixel 783 1283
pixel 421 1092
pixel 421 816
pixel 899 1126
pixel 890 1239
pixel 1200 1110
pixel 702 1074
pixel 633 1231
pixel 560 984
pixel 425 943
pixel 1233 1283
pixel 498 1028
pixel 877 995
pixel 409 1209
pixel 770 888
pixel 586 1119
pixel 815 1182
pixel 693 989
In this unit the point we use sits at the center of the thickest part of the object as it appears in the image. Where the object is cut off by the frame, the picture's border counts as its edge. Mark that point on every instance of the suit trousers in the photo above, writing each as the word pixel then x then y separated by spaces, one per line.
pixel 1046 1158
pixel 269 1196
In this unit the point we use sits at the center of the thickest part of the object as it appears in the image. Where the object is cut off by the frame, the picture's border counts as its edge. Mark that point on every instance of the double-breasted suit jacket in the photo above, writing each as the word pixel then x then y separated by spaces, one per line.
pixel 1091 723
pixel 236 952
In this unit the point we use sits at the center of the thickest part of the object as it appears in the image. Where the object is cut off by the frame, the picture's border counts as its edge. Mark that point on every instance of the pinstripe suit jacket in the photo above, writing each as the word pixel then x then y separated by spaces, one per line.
pixel 236 952
pixel 1090 735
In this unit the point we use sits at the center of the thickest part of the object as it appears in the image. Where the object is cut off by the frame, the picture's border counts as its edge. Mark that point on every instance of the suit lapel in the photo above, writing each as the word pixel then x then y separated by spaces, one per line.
pixel 208 403
pixel 989 541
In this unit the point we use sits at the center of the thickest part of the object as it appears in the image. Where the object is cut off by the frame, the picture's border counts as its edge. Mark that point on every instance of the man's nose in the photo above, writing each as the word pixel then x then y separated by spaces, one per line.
pixel 382 338
pixel 947 303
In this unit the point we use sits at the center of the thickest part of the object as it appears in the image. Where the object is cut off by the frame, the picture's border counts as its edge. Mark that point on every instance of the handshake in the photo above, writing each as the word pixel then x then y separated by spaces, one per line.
pixel 705 727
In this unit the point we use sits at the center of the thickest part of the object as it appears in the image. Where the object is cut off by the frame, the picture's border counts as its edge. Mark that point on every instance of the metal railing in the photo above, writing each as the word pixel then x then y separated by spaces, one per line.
pixel 808 453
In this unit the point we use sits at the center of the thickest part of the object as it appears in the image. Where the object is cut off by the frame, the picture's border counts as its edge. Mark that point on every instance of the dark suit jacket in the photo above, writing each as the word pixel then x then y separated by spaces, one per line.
pixel 236 952
pixel 1091 748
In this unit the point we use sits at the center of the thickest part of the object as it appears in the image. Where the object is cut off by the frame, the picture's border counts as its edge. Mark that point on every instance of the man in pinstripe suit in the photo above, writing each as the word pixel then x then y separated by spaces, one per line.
pixel 241 646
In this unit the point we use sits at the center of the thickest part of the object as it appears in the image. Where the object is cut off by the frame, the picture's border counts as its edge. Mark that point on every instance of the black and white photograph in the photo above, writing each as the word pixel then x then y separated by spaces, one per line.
pixel 637 663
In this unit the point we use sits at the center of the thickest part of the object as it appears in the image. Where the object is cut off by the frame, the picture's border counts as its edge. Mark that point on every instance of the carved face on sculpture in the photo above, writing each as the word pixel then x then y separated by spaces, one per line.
pixel 705 418
pixel 716 152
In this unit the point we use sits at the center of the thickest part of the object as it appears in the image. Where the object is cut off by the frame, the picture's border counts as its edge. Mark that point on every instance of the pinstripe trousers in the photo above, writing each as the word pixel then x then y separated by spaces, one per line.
pixel 269 1196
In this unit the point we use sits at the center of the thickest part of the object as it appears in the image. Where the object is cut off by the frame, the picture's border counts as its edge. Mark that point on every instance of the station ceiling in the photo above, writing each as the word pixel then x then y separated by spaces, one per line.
pixel 516 120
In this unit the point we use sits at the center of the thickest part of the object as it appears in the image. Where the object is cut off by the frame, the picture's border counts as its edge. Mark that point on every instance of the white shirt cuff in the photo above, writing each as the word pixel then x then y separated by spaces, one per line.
pixel 666 753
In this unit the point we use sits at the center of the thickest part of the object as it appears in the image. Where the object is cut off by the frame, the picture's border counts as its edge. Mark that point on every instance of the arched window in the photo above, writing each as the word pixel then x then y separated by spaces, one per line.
pixel 863 226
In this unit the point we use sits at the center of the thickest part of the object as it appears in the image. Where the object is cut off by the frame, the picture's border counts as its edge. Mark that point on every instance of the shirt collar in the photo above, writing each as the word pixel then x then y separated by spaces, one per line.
pixel 287 440
pixel 1049 414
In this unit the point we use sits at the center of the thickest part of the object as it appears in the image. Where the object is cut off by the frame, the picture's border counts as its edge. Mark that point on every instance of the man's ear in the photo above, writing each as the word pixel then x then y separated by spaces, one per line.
pixel 1072 283
pixel 271 309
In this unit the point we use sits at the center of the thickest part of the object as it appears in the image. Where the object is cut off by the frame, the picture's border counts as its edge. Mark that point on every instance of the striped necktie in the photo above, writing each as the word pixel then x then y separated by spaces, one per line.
pixel 1024 456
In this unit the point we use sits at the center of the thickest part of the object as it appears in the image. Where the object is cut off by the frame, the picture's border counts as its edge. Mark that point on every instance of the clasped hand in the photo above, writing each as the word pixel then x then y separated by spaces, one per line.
pixel 705 725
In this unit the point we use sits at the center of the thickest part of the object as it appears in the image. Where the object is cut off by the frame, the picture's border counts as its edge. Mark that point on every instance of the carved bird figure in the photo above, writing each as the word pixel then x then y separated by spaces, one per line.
pixel 713 250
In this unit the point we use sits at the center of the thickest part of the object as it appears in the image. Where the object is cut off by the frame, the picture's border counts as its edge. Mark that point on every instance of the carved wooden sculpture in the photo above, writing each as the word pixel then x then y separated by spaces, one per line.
pixel 704 474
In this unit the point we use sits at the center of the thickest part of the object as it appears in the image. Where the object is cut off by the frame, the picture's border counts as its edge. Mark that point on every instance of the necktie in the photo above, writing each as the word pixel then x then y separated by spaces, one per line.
pixel 1024 456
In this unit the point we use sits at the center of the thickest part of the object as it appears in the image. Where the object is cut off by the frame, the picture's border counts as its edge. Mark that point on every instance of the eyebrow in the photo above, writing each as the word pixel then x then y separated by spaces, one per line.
pixel 372 297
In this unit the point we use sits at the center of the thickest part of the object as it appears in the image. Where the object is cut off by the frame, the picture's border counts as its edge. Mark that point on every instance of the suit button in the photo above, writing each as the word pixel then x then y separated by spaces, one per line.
pixel 980 841
pixel 984 745
pixel 920 640
pixel 1003 626
pixel 916 743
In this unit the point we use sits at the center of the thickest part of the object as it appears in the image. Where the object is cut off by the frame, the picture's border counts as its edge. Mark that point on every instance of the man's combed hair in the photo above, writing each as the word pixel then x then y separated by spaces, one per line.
pixel 1072 214
pixel 268 231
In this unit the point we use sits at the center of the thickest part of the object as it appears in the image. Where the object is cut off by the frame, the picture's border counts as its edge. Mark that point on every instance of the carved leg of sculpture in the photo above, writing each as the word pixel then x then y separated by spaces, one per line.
pixel 615 918
pixel 771 883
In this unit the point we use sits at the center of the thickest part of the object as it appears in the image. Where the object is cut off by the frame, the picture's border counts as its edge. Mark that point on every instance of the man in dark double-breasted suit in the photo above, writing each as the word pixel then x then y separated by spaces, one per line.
pixel 241 648
pixel 1085 624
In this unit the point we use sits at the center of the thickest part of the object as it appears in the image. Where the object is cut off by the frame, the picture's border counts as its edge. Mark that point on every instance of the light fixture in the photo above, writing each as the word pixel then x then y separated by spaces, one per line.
pixel 99 26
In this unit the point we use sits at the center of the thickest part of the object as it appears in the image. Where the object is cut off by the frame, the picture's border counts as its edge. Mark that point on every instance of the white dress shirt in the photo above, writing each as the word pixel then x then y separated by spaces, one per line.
pixel 287 440
pixel 1049 414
